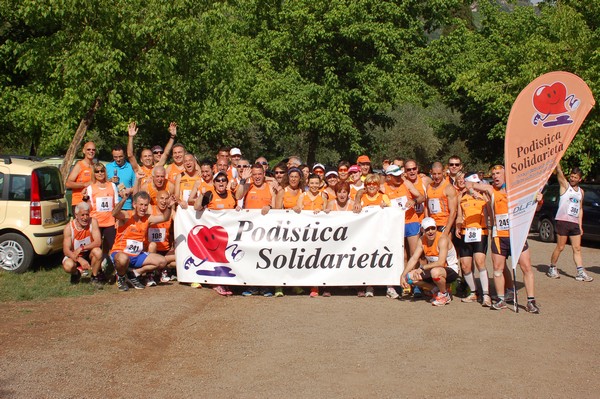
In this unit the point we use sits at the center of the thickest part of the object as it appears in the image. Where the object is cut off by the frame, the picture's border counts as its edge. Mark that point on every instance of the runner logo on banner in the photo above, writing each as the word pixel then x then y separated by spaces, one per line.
pixel 284 248
pixel 542 122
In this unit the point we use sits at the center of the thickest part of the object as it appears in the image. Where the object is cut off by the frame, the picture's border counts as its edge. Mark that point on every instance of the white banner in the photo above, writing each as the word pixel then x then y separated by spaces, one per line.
pixel 284 248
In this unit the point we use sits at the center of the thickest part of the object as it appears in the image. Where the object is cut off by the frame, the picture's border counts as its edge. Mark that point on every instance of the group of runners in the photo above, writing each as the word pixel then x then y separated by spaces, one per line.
pixel 123 214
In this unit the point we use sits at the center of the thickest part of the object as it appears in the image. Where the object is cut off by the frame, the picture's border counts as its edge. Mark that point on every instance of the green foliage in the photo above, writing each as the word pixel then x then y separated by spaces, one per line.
pixel 480 72
pixel 325 80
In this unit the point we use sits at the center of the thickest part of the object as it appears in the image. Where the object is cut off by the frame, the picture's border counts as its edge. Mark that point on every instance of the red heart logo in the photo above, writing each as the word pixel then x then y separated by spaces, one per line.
pixel 208 243
pixel 550 99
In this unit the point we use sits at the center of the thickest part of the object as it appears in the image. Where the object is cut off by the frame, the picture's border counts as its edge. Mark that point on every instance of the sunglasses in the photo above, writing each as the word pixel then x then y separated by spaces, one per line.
pixel 243 166
pixel 429 229
pixel 220 180
pixel 372 184
pixel 91 149
pixel 279 172
pixel 318 172
pixel 100 171
pixel 411 169
pixel 157 152
pixel 454 164
pixel 263 163
pixel 342 169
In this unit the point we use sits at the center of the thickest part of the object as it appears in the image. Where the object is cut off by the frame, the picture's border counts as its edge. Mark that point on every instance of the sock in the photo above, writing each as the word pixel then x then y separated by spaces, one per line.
pixel 500 298
pixel 552 265
pixel 470 282
pixel 485 281
pixel 579 269
pixel 530 298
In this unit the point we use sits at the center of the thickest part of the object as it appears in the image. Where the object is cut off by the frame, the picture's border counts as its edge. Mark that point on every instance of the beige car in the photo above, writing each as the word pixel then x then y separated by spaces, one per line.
pixel 33 211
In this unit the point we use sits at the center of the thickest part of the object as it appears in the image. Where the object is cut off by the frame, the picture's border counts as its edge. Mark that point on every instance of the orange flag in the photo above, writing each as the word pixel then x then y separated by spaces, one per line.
pixel 542 122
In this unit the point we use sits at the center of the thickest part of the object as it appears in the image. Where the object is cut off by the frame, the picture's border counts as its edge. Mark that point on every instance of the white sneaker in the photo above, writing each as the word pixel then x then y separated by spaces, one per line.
pixel 391 293
pixel 582 276
pixel 370 292
pixel 553 272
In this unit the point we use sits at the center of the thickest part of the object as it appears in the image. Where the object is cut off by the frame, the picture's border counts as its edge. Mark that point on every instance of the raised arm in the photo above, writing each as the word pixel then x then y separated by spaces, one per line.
pixel 132 130
pixel 562 180
pixel 169 146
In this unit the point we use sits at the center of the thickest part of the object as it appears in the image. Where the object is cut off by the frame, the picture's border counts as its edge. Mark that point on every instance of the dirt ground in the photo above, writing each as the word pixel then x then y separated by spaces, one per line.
pixel 177 342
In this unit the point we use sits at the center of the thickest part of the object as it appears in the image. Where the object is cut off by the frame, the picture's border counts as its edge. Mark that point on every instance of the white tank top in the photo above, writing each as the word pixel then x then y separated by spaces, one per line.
pixel 569 205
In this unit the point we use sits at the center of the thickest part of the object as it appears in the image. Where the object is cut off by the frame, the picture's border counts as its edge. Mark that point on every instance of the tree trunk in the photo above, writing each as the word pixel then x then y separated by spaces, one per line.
pixel 81 130
pixel 313 145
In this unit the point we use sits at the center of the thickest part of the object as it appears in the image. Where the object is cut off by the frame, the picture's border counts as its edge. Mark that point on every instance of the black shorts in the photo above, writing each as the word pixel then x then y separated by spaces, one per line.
pixel 451 276
pixel 467 249
pixel 567 229
pixel 501 246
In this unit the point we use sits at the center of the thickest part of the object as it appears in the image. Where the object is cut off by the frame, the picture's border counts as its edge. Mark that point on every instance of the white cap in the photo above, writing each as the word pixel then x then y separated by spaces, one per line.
pixel 394 170
pixel 318 166
pixel 331 173
pixel 473 178
pixel 235 151
pixel 427 223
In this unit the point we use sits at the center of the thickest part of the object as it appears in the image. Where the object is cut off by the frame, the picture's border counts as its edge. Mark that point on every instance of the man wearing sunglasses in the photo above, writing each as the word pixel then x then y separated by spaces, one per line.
pixel 454 166
pixel 81 174
pixel 441 267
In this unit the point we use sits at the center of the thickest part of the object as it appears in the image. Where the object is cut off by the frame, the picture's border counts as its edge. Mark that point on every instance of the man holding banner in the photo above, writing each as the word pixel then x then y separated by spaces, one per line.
pixel 501 248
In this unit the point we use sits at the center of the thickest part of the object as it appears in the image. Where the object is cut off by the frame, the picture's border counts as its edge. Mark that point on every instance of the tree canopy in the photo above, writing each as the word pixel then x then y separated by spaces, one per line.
pixel 323 80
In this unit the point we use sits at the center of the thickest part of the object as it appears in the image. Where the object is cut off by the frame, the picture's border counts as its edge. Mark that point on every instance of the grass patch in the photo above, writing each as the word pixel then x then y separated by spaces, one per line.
pixel 46 279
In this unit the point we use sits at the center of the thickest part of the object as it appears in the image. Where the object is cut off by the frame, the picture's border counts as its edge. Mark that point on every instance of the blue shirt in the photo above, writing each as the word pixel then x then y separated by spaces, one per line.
pixel 126 176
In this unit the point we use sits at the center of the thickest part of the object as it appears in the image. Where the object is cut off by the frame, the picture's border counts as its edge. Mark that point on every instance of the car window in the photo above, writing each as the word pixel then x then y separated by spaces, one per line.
pixel 19 188
pixel 552 193
pixel 1 183
pixel 591 197
pixel 50 183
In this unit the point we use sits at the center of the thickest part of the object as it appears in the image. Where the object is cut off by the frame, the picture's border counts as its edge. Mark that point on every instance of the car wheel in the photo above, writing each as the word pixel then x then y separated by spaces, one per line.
pixel 16 253
pixel 546 230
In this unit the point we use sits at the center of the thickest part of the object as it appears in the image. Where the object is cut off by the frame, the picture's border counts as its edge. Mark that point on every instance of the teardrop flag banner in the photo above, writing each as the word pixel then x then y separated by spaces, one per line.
pixel 542 122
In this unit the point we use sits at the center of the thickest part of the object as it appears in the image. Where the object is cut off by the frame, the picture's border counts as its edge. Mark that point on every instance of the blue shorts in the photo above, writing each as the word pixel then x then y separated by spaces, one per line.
pixel 135 262
pixel 412 229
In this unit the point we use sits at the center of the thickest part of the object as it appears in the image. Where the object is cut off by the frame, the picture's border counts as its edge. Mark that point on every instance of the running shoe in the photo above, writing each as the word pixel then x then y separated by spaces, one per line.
pixel 487 301
pixel 369 293
pixel 472 297
pixel 250 291
pixel 360 294
pixel 532 307
pixel 314 292
pixel 135 283
pixel 326 294
pixel 583 276
pixel 298 290
pixel 278 292
pixel 164 276
pixel 174 276
pixel 267 293
pixel 417 293
pixel 122 283
pixel 150 280
pixel 499 305
pixel 553 272
pixel 441 299
pixel 76 277
pixel 196 285
pixel 391 293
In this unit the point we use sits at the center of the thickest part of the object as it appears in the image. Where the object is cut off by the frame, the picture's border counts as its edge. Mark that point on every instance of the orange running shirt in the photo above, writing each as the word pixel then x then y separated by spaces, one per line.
pixel 131 236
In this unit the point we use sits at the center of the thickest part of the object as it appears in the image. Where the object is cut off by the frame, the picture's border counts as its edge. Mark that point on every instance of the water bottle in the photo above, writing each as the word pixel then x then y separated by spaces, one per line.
pixel 116 176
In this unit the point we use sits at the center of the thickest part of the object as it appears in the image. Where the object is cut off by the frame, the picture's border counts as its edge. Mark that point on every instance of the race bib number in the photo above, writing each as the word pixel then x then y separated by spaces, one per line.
pixel 156 234
pixel 134 247
pixel 502 221
pixel 104 204
pixel 573 209
pixel 434 205
pixel 420 208
pixel 186 195
pixel 472 234
pixel 82 243
pixel 399 202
